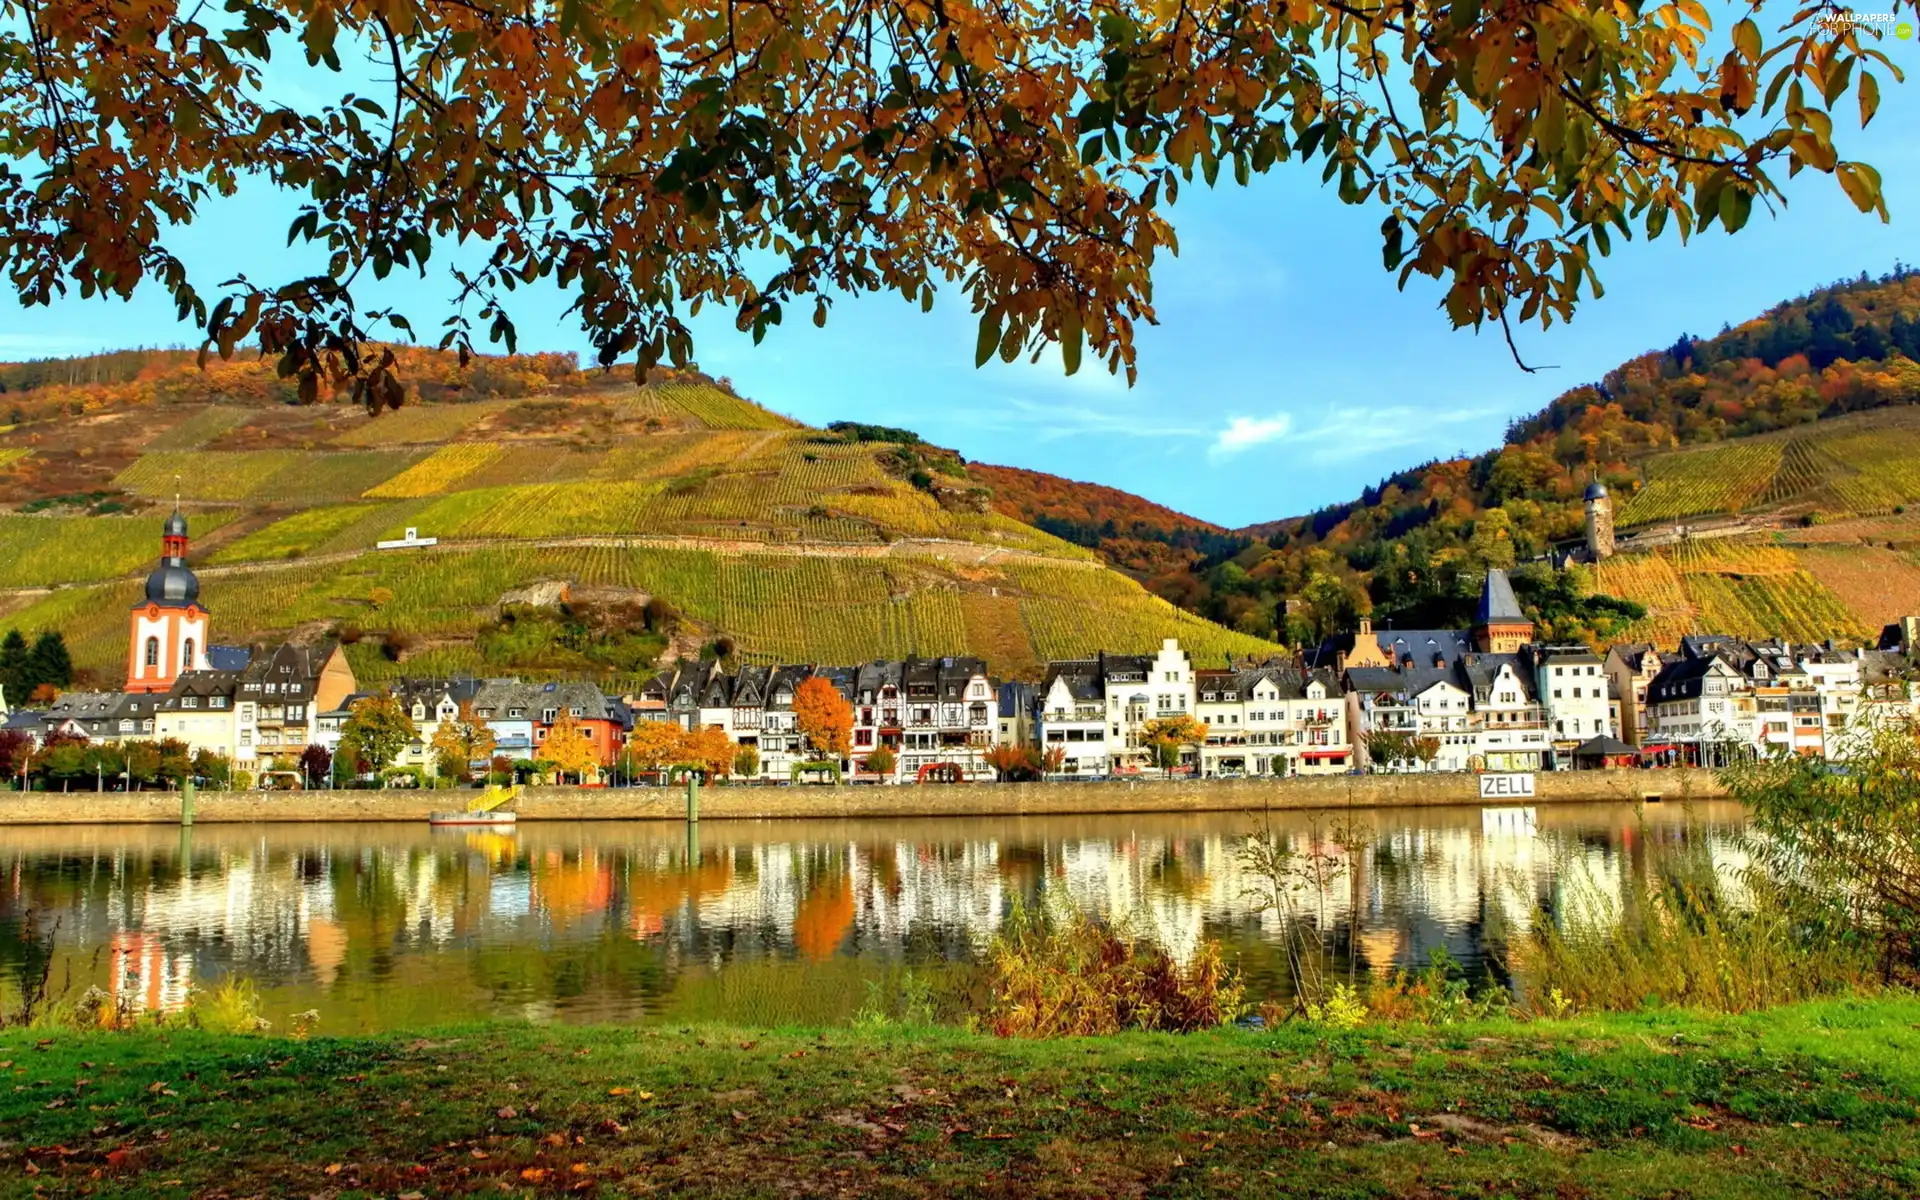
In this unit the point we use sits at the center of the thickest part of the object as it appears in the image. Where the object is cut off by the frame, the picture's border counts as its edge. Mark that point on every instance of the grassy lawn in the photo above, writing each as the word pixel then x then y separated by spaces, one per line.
pixel 1814 1100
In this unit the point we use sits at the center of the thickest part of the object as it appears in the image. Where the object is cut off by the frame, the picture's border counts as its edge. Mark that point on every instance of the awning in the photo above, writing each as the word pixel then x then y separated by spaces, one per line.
pixel 1603 747
pixel 1326 754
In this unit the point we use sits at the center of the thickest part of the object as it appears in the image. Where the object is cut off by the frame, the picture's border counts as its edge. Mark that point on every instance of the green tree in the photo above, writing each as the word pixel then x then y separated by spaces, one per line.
pixel 376 731
pixel 13 666
pixel 48 662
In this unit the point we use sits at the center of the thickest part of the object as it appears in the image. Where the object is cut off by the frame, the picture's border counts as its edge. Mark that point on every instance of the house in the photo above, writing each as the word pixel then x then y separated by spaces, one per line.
pixel 1700 710
pixel 507 706
pixel 1272 720
pixel 1072 717
pixel 1631 666
pixel 601 720
pixel 1141 688
pixel 200 710
pixel 1510 723
pixel 280 694
pixel 948 710
pixel 1571 682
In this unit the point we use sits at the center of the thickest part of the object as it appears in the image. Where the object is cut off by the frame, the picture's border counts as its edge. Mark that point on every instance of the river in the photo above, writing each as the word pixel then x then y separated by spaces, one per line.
pixel 386 926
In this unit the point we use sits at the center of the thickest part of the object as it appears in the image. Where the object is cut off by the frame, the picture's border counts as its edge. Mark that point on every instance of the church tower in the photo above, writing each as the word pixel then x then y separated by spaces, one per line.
pixel 1599 522
pixel 168 628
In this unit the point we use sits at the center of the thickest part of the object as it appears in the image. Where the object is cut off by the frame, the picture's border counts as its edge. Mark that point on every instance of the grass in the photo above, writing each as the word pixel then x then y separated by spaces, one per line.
pixel 1810 1100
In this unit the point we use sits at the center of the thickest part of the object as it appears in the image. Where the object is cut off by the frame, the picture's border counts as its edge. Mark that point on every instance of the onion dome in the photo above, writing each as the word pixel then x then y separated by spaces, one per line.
pixel 1596 491
pixel 176 525
pixel 172 583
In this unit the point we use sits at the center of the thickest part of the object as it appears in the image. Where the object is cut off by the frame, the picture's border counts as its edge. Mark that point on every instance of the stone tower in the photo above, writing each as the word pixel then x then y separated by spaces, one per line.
pixel 168 631
pixel 1599 522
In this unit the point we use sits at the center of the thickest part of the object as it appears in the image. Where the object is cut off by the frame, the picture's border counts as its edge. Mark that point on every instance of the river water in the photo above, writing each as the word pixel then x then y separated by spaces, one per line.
pixel 381 926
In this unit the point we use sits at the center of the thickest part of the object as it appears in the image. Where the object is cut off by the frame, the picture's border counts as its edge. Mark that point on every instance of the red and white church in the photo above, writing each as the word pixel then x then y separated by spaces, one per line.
pixel 168 628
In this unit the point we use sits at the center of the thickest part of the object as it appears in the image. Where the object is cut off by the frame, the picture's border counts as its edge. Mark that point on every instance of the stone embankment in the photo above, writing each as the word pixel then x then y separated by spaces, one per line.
pixel 943 800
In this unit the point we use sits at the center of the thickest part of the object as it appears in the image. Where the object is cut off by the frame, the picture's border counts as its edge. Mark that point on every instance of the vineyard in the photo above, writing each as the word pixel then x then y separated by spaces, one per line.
pixel 420 423
pixel 42 551
pixel 1743 588
pixel 437 472
pixel 1865 465
pixel 777 608
pixel 304 492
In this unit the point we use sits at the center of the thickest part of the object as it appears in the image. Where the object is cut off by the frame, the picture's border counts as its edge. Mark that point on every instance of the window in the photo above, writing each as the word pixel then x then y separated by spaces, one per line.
pixel 217 702
pixel 186 656
pixel 153 652
pixel 547 715
pixel 189 702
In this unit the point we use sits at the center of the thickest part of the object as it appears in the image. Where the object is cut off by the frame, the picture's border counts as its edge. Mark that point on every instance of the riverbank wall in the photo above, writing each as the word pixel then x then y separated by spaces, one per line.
pixel 924 800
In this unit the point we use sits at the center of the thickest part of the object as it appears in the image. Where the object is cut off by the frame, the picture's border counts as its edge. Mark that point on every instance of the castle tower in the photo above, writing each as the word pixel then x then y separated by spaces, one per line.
pixel 167 631
pixel 1599 522
pixel 1499 627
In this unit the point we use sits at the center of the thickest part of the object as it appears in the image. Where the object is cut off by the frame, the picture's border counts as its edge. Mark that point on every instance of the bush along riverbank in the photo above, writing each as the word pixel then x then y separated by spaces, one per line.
pixel 1814 1099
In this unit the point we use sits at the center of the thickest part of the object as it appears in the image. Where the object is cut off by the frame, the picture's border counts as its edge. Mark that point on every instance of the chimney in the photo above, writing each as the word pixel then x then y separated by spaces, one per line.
pixel 1366 626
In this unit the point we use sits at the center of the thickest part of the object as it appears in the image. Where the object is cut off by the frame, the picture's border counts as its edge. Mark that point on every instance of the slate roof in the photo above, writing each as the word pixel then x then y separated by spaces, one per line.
pixel 1082 677
pixel 1482 669
pixel 1498 605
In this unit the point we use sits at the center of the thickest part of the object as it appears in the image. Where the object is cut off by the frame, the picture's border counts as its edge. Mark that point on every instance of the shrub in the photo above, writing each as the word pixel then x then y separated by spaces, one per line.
pixel 1678 935
pixel 1056 972
pixel 1838 845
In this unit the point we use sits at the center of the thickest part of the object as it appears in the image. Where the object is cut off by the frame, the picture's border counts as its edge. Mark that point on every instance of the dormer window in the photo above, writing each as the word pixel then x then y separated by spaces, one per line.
pixel 516 712
pixel 547 715
pixel 189 702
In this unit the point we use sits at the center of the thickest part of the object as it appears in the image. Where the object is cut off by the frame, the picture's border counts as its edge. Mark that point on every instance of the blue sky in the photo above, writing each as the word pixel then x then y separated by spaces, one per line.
pixel 1286 372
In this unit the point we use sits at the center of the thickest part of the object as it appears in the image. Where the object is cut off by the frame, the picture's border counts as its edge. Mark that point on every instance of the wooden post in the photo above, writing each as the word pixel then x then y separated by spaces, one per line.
pixel 693 798
pixel 186 804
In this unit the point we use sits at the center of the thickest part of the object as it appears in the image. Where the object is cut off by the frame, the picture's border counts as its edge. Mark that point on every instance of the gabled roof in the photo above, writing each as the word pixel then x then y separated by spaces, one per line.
pixel 1080 676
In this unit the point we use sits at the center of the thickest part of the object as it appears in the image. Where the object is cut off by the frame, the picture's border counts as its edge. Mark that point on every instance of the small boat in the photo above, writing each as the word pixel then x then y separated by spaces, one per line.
pixel 490 811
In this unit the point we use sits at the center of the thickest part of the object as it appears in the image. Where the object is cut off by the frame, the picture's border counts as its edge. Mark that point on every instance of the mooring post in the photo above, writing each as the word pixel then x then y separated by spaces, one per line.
pixel 186 803
pixel 693 797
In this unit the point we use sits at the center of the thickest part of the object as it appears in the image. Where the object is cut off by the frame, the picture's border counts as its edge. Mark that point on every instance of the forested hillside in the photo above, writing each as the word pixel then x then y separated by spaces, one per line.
pixel 1660 432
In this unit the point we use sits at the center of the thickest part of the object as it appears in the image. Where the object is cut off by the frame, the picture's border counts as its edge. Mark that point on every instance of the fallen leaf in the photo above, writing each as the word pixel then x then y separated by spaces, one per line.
pixel 738 1115
pixel 507 1112
pixel 748 1045
pixel 643 1096
pixel 478 1153
pixel 619 1091
pixel 334 1168
pixel 411 1196
pixel 534 1174
pixel 555 1139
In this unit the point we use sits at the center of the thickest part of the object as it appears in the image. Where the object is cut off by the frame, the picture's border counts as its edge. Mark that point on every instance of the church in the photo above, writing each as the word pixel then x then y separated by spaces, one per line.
pixel 251 705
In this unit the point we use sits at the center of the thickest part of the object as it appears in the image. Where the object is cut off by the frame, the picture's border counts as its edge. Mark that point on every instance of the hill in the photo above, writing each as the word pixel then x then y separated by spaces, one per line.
pixel 1799 419
pixel 677 518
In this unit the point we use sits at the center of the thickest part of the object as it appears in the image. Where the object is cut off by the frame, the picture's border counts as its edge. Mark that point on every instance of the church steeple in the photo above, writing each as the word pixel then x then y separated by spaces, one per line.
pixel 168 631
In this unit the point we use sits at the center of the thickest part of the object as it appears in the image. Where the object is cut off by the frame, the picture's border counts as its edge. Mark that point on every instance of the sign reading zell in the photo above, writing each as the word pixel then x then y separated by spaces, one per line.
pixel 1517 786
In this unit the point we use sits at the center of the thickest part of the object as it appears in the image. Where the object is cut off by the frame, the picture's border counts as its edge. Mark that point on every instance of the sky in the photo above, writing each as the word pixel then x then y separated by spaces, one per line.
pixel 1287 371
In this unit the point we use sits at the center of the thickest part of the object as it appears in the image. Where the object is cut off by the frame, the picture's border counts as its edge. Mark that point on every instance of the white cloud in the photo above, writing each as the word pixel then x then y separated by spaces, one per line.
pixel 1244 433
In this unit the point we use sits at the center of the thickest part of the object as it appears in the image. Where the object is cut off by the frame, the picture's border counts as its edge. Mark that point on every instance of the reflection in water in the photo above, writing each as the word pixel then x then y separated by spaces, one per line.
pixel 385 926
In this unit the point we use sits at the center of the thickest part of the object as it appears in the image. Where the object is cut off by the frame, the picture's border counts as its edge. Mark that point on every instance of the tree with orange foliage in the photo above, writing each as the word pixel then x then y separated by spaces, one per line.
pixel 654 746
pixel 569 750
pixel 823 716
pixel 711 750
pixel 771 159
pixel 1010 761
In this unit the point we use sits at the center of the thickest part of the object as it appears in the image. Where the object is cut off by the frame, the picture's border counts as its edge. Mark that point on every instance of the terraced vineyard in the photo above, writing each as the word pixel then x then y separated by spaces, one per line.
pixel 1741 587
pixel 664 491
pixel 1852 466
pixel 778 607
